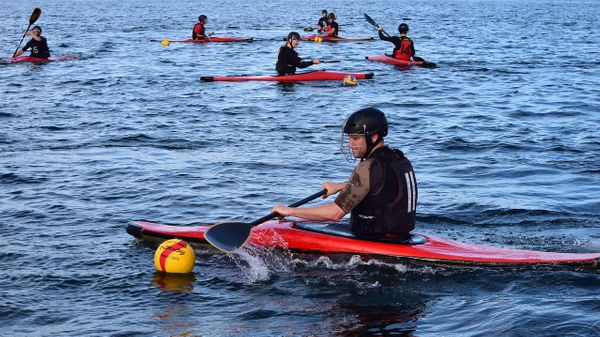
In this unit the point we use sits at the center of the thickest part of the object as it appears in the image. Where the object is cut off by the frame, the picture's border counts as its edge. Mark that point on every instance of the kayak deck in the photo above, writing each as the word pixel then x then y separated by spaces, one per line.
pixel 21 59
pixel 317 75
pixel 335 38
pixel 310 237
pixel 406 63
pixel 212 39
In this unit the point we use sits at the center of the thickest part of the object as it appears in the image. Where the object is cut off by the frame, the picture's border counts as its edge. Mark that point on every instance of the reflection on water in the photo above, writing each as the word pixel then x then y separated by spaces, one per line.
pixel 173 282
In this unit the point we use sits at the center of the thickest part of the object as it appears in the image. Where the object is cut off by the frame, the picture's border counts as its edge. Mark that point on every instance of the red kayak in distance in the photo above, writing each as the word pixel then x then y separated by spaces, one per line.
pixel 336 238
pixel 405 63
pixel 212 39
pixel 317 75
pixel 20 59
pixel 335 38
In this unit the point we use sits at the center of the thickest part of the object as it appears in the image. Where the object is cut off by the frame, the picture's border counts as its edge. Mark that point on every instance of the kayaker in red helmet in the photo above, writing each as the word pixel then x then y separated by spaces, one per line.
pixel 288 59
pixel 322 21
pixel 38 44
pixel 381 194
pixel 198 32
pixel 404 46
pixel 332 27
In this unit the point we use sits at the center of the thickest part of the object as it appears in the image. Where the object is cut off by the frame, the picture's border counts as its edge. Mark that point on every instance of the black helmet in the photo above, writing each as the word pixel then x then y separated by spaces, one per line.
pixel 332 16
pixel 324 11
pixel 293 36
pixel 38 28
pixel 403 28
pixel 202 17
pixel 367 121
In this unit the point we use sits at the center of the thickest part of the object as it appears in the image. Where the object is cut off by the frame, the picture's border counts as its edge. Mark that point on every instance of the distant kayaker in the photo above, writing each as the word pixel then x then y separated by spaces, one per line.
pixel 404 46
pixel 288 59
pixel 38 44
pixel 198 32
pixel 322 21
pixel 381 194
pixel 332 28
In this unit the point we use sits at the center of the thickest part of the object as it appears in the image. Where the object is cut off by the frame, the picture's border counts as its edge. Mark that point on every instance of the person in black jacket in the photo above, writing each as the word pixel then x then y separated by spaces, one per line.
pixel 381 194
pixel 38 44
pixel 288 59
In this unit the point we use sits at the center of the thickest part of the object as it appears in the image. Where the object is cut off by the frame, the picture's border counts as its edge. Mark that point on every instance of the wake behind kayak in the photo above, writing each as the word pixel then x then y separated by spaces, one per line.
pixel 317 75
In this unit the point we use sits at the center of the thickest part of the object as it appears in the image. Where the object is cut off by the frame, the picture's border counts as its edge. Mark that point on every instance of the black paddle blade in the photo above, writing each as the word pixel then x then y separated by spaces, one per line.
pixel 371 21
pixel 228 236
pixel 207 78
pixel 35 15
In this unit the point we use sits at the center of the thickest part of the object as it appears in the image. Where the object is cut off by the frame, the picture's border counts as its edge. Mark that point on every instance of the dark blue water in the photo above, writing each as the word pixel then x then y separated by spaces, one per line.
pixel 503 136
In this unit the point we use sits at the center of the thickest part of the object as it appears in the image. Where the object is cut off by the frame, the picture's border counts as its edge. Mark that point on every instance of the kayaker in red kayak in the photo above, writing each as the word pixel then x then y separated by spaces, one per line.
pixel 198 32
pixel 322 21
pixel 404 46
pixel 38 44
pixel 332 28
pixel 381 194
pixel 288 59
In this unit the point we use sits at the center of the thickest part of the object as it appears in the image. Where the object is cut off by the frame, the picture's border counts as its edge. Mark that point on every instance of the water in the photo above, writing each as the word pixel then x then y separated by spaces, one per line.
pixel 503 137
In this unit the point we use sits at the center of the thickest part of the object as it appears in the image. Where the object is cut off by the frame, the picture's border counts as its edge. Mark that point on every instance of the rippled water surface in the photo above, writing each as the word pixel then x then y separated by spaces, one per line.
pixel 503 135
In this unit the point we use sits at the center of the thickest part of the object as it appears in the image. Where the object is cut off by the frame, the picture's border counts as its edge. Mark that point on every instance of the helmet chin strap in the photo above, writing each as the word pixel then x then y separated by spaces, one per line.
pixel 371 145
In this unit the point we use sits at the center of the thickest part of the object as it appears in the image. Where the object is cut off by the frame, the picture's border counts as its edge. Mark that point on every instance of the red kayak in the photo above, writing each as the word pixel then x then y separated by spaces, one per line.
pixel 335 38
pixel 398 62
pixel 213 39
pixel 335 238
pixel 19 59
pixel 317 75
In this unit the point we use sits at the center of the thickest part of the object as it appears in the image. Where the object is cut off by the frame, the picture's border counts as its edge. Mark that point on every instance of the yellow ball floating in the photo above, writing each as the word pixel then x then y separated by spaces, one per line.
pixel 165 42
pixel 318 39
pixel 349 81
pixel 174 256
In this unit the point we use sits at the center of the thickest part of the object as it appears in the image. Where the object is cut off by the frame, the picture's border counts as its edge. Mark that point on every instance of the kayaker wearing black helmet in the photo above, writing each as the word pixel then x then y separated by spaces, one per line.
pixel 322 21
pixel 404 47
pixel 288 59
pixel 38 44
pixel 198 32
pixel 381 194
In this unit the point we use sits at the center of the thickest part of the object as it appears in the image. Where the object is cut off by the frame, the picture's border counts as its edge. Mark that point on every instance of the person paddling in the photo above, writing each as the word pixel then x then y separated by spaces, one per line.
pixel 322 21
pixel 288 59
pixel 404 47
pixel 198 32
pixel 381 194
pixel 38 44
pixel 332 28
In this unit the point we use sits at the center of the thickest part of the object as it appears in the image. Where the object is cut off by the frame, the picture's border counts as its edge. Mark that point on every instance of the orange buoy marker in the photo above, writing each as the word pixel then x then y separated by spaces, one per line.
pixel 174 256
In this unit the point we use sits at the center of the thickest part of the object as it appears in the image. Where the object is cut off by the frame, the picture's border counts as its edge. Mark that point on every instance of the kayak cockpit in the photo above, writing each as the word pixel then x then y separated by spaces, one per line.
pixel 342 229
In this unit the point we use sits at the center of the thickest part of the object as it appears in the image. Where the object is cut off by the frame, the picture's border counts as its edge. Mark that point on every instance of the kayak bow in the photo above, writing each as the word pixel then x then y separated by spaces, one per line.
pixel 317 75
pixel 334 238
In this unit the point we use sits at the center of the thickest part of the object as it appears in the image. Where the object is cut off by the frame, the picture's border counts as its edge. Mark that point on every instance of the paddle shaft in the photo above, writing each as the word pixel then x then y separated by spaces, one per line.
pixel 296 204
pixel 375 24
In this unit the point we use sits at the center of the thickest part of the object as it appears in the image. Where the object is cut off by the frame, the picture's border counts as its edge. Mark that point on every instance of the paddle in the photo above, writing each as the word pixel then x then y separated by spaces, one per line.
pixel 375 24
pixel 32 19
pixel 229 236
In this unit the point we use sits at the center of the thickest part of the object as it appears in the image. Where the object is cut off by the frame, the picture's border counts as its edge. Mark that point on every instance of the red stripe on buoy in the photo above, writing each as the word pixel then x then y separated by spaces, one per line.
pixel 168 251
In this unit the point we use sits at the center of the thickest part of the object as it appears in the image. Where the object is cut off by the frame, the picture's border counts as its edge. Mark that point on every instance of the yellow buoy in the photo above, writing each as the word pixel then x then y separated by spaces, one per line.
pixel 318 39
pixel 174 256
pixel 165 42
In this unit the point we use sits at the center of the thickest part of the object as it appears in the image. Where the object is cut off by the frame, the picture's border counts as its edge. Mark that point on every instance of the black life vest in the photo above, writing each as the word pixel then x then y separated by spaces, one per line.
pixel 388 213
